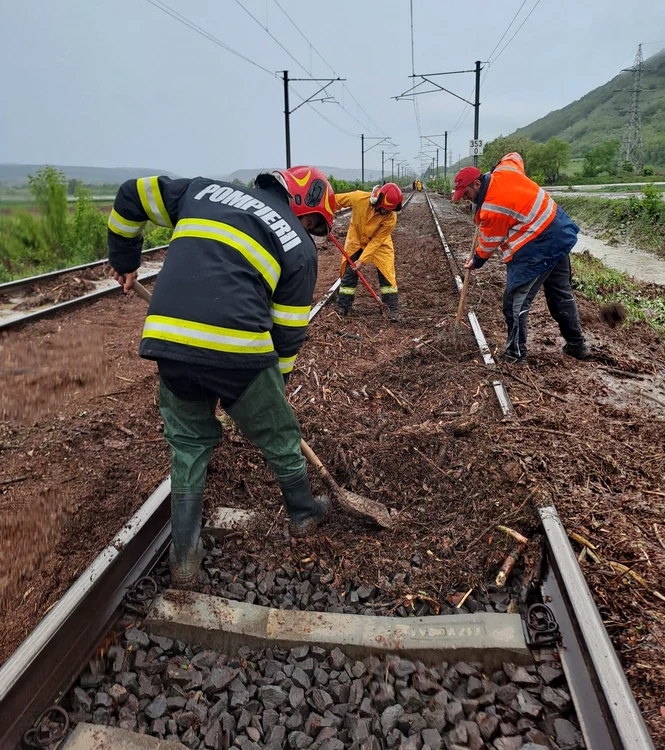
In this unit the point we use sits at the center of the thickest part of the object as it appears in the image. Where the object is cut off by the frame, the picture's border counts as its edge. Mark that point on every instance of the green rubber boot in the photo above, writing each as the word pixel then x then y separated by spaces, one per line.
pixel 305 511
pixel 186 551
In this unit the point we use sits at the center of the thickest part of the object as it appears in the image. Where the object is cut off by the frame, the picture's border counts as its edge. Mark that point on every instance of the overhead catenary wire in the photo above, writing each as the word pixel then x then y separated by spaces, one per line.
pixel 298 63
pixel 503 49
pixel 496 46
pixel 416 111
pixel 273 37
pixel 466 109
pixel 160 5
pixel 330 67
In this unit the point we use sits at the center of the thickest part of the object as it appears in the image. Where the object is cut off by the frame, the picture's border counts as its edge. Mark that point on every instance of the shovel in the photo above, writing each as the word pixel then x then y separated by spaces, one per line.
pixel 465 286
pixel 366 284
pixel 355 504
pixel 350 501
pixel 142 291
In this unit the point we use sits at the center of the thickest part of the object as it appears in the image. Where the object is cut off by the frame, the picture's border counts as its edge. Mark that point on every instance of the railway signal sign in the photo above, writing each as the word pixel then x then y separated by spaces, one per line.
pixel 475 147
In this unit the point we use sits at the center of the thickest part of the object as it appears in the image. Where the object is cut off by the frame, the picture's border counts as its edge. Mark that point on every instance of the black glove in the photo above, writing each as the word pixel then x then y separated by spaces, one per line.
pixel 478 262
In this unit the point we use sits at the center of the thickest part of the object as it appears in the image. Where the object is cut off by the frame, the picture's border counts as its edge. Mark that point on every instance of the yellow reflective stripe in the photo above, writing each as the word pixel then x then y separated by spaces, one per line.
pixel 191 333
pixel 388 290
pixel 247 246
pixel 152 202
pixel 286 363
pixel 124 227
pixel 347 290
pixel 289 315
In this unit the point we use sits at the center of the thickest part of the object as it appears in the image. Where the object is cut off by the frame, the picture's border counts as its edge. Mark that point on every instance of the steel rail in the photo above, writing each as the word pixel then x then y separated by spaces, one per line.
pixel 47 662
pixel 609 716
pixel 505 404
pixel 12 286
pixel 579 620
pixel 44 312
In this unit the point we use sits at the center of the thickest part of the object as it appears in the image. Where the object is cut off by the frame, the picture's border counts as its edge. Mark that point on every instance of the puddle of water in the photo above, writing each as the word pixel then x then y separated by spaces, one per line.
pixel 640 265
pixel 624 392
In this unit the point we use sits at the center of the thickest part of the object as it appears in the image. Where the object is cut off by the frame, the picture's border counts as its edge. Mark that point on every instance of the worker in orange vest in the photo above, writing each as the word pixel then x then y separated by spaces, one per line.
pixel 535 236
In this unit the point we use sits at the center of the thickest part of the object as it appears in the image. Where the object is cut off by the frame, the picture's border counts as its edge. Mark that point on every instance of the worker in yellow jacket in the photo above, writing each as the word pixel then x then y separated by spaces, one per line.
pixel 369 240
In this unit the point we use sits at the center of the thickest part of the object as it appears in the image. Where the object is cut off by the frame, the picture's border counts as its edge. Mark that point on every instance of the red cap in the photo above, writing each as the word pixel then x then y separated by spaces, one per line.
pixel 464 178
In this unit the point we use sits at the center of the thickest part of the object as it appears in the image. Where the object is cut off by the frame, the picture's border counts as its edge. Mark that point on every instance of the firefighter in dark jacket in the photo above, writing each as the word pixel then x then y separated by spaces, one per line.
pixel 228 315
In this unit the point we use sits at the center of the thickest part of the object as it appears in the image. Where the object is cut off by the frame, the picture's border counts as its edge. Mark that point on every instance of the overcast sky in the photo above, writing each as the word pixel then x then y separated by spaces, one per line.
pixel 121 83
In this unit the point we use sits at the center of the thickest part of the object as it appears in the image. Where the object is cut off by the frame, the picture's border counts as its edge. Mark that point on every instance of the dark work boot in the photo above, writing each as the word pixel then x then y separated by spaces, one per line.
pixel 391 301
pixel 186 550
pixel 343 303
pixel 340 309
pixel 511 359
pixel 394 315
pixel 579 350
pixel 305 511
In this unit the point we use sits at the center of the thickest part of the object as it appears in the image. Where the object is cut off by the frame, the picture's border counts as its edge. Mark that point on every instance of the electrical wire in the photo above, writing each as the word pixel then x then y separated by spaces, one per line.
pixel 333 71
pixel 298 63
pixel 517 32
pixel 414 99
pixel 302 34
pixel 176 15
pixel 519 10
pixel 466 109
pixel 194 27
pixel 272 36
pixel 413 59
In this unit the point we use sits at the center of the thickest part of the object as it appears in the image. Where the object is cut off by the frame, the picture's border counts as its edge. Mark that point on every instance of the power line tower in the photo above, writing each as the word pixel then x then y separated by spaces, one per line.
pixel 631 146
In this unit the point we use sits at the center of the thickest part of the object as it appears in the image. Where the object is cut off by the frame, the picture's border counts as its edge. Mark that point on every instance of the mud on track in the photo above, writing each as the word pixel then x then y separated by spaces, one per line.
pixel 62 288
pixel 81 438
pixel 81 445
pixel 600 454
pixel 398 418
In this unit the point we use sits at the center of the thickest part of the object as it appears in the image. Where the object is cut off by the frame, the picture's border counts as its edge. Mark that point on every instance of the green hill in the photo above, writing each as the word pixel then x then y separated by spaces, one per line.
pixel 602 114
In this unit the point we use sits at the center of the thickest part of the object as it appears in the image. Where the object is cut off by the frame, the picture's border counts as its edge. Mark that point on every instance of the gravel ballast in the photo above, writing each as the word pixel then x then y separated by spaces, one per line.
pixel 312 698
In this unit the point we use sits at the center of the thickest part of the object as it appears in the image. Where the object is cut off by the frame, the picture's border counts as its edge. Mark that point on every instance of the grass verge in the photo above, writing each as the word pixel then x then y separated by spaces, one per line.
pixel 639 222
pixel 598 283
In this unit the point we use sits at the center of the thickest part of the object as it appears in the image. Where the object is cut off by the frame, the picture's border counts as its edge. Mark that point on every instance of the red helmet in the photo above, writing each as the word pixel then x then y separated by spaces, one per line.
pixel 311 193
pixel 387 196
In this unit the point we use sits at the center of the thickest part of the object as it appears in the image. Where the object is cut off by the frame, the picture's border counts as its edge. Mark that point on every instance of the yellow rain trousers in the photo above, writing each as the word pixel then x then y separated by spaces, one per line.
pixel 369 232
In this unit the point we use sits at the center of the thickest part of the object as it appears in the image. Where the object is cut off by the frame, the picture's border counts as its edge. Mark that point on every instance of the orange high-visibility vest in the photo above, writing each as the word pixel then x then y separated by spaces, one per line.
pixel 515 210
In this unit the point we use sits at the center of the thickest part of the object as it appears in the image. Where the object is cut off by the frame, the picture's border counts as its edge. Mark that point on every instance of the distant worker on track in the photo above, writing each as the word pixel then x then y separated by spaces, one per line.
pixel 535 236
pixel 228 316
pixel 419 186
pixel 369 240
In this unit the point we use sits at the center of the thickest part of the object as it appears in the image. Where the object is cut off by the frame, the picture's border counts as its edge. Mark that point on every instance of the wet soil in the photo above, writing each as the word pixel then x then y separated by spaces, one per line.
pixel 80 443
pixel 394 418
pixel 403 413
pixel 600 454
pixel 61 288
pixel 81 448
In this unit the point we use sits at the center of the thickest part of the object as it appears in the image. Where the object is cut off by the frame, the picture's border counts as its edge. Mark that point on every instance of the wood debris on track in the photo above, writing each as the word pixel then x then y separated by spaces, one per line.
pixel 601 455
pixel 402 413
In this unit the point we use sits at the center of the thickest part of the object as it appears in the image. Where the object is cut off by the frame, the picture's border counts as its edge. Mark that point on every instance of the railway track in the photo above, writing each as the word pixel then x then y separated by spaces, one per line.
pixel 562 617
pixel 18 308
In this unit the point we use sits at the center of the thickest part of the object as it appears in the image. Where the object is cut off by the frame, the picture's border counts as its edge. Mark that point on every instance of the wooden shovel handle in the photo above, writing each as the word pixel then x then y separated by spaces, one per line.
pixel 353 503
pixel 316 463
pixel 141 291
pixel 467 277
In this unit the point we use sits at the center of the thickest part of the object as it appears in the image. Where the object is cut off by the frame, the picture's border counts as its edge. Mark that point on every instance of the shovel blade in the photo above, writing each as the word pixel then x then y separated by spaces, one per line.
pixel 364 507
